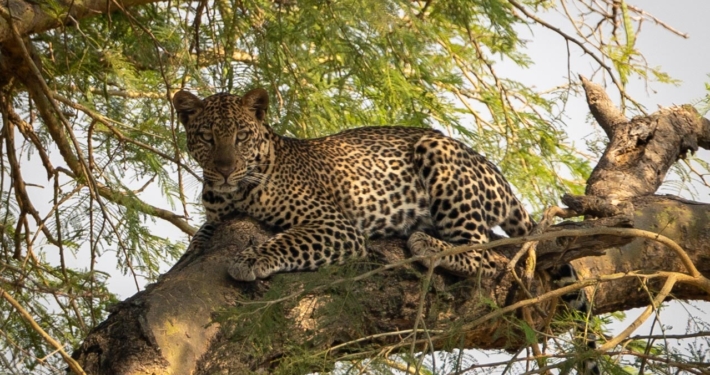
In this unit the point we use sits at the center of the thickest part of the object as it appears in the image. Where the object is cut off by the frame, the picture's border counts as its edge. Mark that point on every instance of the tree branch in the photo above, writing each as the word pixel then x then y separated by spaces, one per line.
pixel 73 365
pixel 387 299
pixel 602 108
pixel 18 58
pixel 32 17
pixel 642 150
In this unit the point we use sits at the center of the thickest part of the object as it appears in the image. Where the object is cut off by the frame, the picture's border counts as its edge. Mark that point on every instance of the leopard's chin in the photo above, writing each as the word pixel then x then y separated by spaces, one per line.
pixel 223 187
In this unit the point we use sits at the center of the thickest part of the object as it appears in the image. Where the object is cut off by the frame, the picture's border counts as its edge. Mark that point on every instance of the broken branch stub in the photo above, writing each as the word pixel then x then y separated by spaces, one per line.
pixel 641 150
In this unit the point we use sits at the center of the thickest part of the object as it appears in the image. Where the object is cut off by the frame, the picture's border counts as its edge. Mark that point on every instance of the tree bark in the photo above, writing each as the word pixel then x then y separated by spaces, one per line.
pixel 31 17
pixel 641 151
pixel 195 320
pixel 639 154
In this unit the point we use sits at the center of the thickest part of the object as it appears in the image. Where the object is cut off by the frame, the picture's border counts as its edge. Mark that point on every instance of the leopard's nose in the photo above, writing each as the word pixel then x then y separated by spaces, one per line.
pixel 225 171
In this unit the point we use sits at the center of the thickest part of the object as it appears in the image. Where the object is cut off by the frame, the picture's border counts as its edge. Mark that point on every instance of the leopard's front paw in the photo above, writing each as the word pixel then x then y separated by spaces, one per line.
pixel 248 267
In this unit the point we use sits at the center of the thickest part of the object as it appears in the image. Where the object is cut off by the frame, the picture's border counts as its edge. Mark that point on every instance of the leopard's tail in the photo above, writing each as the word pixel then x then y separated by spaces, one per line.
pixel 518 222
pixel 578 302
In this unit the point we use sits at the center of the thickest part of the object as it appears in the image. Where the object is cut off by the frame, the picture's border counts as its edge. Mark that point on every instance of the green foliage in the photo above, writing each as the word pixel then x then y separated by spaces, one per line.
pixel 341 310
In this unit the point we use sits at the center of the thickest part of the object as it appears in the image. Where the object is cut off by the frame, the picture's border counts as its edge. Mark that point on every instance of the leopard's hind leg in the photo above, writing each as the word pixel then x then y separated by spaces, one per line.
pixel 464 264
pixel 467 197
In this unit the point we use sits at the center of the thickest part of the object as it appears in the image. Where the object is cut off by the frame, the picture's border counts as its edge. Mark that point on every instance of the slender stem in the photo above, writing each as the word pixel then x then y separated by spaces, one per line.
pixel 73 365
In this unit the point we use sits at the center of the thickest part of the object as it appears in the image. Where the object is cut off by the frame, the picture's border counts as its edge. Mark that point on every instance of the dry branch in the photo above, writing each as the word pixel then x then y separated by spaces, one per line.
pixel 639 154
pixel 642 150
pixel 602 108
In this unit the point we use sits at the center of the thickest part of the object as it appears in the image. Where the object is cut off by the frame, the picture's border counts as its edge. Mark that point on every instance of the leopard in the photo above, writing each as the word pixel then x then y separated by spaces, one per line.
pixel 326 197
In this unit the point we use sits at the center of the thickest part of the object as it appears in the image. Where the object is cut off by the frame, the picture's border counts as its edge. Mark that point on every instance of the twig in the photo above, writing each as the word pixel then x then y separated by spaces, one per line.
pixel 73 365
pixel 579 44
pixel 642 318
pixel 367 338
pixel 622 232
pixel 560 292
pixel 420 311
pixel 541 360
pixel 671 337
pixel 119 135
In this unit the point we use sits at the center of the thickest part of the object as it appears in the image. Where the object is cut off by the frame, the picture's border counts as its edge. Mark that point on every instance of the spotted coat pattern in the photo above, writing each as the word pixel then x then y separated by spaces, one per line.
pixel 326 196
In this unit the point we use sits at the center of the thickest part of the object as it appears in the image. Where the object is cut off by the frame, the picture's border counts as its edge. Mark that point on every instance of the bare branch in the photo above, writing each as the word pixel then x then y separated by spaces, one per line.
pixel 644 315
pixel 73 365
pixel 642 150
pixel 602 108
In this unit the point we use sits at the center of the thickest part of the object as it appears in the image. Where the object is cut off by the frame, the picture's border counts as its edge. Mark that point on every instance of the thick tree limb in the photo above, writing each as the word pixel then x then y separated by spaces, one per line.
pixel 633 166
pixel 167 326
pixel 32 17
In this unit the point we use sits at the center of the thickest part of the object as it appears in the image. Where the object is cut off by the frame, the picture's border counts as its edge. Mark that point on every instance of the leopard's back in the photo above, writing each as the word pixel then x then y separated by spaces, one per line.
pixel 368 173
pixel 392 181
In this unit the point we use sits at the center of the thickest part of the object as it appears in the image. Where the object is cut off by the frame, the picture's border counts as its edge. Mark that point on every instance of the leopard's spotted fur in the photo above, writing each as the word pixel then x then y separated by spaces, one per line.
pixel 327 195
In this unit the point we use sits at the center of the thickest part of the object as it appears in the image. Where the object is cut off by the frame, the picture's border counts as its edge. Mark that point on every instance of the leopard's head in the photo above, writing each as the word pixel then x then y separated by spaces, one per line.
pixel 226 135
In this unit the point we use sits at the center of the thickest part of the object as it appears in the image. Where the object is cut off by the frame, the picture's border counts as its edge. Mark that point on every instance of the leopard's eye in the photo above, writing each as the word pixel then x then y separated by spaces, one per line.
pixel 242 135
pixel 205 136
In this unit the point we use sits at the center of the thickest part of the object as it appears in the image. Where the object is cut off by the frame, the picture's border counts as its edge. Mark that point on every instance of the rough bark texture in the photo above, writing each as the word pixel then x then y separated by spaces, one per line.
pixel 166 328
pixel 686 222
pixel 196 321
pixel 641 151
pixel 31 17
pixel 639 154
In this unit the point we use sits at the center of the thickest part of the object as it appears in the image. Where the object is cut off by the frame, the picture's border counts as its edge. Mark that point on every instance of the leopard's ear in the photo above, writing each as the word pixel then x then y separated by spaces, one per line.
pixel 186 105
pixel 257 100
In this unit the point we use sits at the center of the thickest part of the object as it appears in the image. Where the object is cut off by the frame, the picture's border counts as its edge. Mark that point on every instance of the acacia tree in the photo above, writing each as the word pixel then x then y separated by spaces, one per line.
pixel 85 100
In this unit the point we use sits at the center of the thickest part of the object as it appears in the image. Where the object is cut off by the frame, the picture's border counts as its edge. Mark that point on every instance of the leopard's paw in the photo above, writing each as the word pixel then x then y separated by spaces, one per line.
pixel 247 267
pixel 421 244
